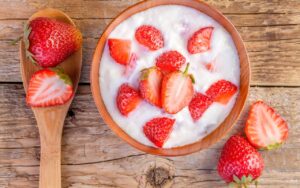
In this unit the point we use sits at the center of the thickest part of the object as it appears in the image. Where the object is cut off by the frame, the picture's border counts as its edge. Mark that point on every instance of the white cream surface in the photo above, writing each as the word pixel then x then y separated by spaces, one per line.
pixel 177 23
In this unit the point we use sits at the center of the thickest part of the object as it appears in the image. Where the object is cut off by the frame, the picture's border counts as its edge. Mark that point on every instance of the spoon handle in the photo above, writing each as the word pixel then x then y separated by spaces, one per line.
pixel 50 123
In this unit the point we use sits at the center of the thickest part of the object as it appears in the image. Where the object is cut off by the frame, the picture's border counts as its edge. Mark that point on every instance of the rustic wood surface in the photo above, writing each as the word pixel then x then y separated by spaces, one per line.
pixel 92 156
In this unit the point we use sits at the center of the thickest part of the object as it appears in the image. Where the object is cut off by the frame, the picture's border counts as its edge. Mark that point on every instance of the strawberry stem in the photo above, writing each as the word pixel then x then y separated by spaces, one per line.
pixel 186 69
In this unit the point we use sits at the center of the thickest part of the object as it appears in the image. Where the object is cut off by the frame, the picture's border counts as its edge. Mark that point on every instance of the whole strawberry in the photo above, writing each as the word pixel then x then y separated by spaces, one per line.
pixel 239 162
pixel 49 42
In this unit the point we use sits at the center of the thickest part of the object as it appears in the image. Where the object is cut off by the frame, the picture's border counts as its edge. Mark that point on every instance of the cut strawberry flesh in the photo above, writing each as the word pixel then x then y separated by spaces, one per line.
pixel 120 50
pixel 177 91
pixel 221 91
pixel 47 88
pixel 131 65
pixel 150 85
pixel 200 40
pixel 264 127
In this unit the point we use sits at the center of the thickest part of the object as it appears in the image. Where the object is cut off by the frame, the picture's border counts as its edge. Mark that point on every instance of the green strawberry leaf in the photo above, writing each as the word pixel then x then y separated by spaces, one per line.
pixel 236 179
pixel 62 75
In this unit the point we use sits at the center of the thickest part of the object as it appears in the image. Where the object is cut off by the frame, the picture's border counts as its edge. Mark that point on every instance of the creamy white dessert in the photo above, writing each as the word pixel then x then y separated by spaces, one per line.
pixel 177 24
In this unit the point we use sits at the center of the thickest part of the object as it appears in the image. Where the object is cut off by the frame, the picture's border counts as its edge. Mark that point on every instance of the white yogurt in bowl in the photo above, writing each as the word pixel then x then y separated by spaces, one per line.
pixel 177 23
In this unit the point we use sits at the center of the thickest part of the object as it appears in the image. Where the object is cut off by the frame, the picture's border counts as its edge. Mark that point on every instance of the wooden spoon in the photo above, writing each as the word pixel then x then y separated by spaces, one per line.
pixel 50 120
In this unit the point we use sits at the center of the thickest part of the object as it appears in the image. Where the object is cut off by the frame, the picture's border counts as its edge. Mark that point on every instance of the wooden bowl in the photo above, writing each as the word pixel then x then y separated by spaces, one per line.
pixel 230 120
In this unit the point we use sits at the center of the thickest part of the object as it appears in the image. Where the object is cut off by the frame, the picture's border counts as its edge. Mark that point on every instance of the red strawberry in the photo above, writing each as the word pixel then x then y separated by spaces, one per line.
pixel 199 105
pixel 49 42
pixel 170 61
pixel 177 91
pixel 239 162
pixel 221 91
pixel 127 99
pixel 158 130
pixel 200 40
pixel 120 50
pixel 150 85
pixel 265 129
pixel 49 87
pixel 149 37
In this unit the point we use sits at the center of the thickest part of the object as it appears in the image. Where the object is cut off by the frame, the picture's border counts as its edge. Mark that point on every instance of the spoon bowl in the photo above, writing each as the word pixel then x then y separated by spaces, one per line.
pixel 50 120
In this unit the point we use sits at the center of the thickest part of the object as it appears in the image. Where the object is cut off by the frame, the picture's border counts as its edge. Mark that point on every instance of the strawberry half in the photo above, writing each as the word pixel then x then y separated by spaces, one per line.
pixel 120 50
pixel 49 42
pixel 158 130
pixel 221 91
pixel 49 87
pixel 265 129
pixel 177 91
pixel 170 61
pixel 150 85
pixel 200 40
pixel 127 99
pixel 240 164
pixel 149 37
pixel 199 105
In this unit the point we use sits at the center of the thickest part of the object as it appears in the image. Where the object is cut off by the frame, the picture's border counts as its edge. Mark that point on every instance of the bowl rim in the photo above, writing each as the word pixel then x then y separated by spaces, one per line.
pixel 218 133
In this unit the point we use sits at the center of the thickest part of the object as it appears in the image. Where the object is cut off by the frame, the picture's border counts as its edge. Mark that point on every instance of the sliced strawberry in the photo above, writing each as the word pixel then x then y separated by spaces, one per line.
pixel 150 85
pixel 127 99
pixel 199 105
pixel 131 65
pixel 265 129
pixel 158 130
pixel 177 91
pixel 49 87
pixel 200 40
pixel 170 61
pixel 120 50
pixel 149 37
pixel 221 91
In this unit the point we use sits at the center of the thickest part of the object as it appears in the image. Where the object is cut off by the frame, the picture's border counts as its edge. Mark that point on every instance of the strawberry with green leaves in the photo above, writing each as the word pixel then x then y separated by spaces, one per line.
pixel 150 85
pixel 265 129
pixel 177 90
pixel 158 130
pixel 49 87
pixel 240 164
pixel 49 42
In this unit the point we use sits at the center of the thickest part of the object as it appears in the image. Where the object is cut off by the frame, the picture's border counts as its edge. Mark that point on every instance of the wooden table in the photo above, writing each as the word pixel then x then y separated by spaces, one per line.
pixel 94 157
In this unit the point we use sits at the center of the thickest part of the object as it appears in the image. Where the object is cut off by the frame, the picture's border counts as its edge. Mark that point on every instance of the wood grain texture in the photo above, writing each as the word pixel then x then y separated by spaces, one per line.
pixel 92 156
pixel 269 28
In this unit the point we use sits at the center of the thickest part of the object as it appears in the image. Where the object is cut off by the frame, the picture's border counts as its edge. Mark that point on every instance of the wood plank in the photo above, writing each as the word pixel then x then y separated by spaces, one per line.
pixel 110 8
pixel 250 29
pixel 93 156
pixel 269 47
